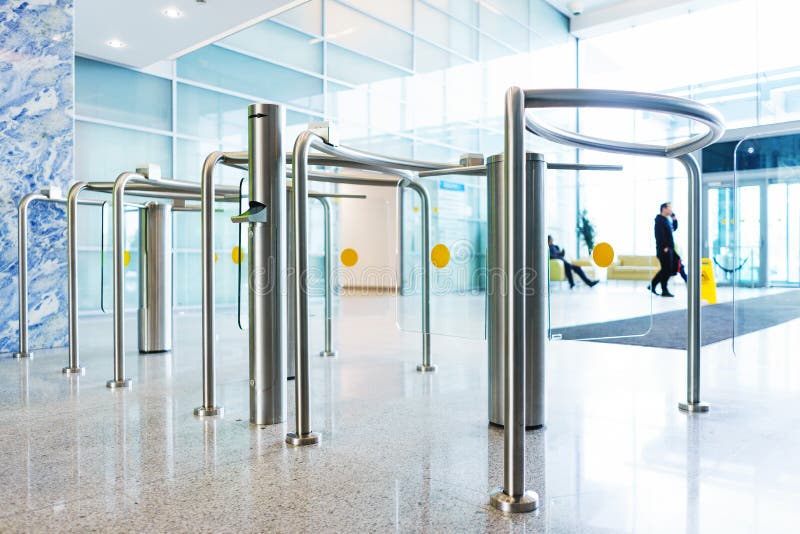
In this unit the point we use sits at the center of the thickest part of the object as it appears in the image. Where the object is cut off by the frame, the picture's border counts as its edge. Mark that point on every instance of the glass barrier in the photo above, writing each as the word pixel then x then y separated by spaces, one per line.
pixel 239 256
pixel 603 252
pixel 754 226
pixel 456 256
pixel 362 260
pixel 131 260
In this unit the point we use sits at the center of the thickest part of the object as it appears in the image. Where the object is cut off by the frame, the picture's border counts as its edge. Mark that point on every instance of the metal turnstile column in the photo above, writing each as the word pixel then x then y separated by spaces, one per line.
pixel 266 220
pixel 155 278
pixel 536 276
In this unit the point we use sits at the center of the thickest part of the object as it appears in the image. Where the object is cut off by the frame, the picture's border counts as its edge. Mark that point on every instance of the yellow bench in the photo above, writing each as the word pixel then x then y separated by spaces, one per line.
pixel 633 268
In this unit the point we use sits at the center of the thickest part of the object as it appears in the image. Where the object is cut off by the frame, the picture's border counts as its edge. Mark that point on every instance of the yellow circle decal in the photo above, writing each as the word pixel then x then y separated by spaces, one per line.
pixel 603 254
pixel 216 257
pixel 440 256
pixel 126 258
pixel 237 255
pixel 349 257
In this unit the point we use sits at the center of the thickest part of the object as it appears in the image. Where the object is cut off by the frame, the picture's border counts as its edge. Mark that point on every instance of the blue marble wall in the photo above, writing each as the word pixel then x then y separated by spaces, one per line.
pixel 36 151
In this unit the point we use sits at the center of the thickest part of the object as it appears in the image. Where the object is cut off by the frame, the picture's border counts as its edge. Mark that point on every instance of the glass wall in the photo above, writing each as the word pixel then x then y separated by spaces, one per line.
pixel 735 57
pixel 414 78
pixel 752 190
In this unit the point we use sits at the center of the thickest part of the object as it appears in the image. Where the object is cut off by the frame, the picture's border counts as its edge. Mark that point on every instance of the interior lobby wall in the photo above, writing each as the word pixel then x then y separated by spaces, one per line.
pixel 36 133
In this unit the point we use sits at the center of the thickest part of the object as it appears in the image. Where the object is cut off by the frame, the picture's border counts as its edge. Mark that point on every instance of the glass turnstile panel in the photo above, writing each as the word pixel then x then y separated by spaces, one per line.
pixel 456 256
pixel 131 260
pixel 764 235
pixel 363 275
pixel 594 216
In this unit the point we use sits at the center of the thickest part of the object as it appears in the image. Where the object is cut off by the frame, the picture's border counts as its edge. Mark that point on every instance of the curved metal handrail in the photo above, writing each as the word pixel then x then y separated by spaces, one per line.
pixel 601 98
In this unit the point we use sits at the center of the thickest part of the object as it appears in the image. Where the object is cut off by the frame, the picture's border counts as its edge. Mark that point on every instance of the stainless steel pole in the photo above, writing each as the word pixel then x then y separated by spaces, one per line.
pixel 22 277
pixel 267 264
pixel 291 273
pixel 207 194
pixel 118 223
pixel 158 187
pixel 680 150
pixel 513 497
pixel 693 403
pixel 73 365
pixel 536 293
pixel 302 434
pixel 326 210
pixel 155 278
pixel 425 212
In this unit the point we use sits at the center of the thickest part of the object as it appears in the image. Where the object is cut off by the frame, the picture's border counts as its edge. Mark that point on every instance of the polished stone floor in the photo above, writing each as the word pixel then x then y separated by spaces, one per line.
pixel 401 451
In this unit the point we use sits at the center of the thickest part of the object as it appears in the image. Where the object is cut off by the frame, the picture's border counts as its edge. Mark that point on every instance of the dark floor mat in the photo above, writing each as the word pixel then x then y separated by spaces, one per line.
pixel 668 330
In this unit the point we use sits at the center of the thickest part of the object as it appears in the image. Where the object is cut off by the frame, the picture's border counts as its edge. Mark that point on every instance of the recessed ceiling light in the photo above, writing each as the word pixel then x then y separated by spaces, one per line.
pixel 172 13
pixel 115 43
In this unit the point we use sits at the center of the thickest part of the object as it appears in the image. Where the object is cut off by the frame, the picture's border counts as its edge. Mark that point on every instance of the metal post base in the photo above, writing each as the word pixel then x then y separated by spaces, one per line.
pixel 202 411
pixel 527 427
pixel 19 355
pixel 694 407
pixel 422 368
pixel 116 384
pixel 329 354
pixel 527 502
pixel 311 438
pixel 74 370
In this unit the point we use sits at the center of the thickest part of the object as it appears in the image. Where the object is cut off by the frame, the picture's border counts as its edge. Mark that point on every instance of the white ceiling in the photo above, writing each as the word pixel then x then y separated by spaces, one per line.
pixel 605 16
pixel 589 5
pixel 151 37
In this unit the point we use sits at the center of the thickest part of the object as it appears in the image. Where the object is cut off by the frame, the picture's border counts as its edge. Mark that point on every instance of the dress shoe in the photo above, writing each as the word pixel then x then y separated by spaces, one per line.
pixel 667 294
pixel 593 283
pixel 652 290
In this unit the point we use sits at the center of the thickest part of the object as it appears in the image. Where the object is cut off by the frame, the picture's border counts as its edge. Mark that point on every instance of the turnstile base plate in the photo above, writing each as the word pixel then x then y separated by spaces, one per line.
pixel 117 384
pixel 694 407
pixel 202 411
pixel 527 502
pixel 311 438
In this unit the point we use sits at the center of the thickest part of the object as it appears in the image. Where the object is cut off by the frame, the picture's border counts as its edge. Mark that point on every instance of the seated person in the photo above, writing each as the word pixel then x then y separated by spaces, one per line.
pixel 557 253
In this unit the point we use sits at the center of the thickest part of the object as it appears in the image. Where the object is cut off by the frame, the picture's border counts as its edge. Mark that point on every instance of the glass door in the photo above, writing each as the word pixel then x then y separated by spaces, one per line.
pixel 783 233
pixel 734 226
pixel 747 227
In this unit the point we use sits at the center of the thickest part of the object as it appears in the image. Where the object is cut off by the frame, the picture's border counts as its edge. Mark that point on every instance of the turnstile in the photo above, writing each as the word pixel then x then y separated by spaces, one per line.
pixel 155 278
pixel 534 281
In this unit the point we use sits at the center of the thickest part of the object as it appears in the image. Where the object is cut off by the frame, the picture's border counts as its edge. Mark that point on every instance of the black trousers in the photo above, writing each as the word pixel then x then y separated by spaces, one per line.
pixel 569 268
pixel 667 262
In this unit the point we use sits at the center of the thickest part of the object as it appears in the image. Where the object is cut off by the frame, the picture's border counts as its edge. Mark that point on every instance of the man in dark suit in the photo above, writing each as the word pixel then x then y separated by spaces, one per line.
pixel 665 224
pixel 557 253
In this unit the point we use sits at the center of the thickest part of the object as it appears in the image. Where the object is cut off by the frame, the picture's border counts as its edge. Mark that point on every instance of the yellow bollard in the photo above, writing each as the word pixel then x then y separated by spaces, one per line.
pixel 708 287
